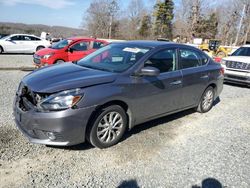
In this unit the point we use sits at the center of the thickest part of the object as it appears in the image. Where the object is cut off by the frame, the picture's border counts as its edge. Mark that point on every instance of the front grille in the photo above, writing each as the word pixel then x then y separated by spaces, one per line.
pixel 27 99
pixel 238 65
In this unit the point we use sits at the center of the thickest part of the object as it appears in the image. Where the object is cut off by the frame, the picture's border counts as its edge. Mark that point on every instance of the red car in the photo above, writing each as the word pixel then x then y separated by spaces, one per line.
pixel 67 50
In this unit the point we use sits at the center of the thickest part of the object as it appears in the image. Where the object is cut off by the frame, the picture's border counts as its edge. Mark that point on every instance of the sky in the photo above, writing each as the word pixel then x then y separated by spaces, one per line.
pixel 67 13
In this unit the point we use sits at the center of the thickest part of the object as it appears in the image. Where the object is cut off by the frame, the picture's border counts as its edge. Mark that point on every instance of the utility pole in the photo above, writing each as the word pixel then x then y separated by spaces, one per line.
pixel 240 25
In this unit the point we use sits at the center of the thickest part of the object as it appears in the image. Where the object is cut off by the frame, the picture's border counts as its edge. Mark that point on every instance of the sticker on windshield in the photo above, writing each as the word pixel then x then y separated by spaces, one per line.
pixel 133 50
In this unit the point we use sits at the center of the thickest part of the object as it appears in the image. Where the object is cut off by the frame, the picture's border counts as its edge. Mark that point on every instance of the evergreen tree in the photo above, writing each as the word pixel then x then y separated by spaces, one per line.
pixel 207 27
pixel 163 18
pixel 145 28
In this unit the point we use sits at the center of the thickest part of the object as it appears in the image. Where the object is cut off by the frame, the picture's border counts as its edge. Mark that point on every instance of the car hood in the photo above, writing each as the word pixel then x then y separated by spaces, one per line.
pixel 46 51
pixel 244 59
pixel 64 77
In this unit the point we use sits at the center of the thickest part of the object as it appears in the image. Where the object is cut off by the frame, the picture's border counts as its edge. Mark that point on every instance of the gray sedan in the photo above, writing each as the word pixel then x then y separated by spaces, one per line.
pixel 112 90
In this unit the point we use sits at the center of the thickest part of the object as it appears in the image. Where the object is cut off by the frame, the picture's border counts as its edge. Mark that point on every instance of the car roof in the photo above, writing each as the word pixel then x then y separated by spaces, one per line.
pixel 84 38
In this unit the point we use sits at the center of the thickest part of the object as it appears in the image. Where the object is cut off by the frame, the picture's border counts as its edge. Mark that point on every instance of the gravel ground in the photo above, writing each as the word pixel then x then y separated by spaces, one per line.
pixel 181 150
pixel 16 60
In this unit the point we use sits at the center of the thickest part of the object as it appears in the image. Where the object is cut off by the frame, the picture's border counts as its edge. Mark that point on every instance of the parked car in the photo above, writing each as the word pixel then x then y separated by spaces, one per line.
pixel 67 50
pixel 237 66
pixel 22 43
pixel 113 89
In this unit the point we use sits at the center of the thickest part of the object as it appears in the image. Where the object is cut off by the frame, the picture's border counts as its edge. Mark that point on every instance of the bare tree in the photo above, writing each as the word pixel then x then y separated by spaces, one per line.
pixel 100 17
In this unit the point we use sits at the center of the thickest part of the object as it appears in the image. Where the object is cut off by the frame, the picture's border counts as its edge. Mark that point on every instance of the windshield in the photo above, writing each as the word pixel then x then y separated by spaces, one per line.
pixel 61 44
pixel 243 51
pixel 3 38
pixel 113 58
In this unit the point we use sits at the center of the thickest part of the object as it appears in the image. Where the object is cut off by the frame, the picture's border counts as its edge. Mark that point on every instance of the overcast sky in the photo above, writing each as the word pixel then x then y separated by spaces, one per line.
pixel 50 12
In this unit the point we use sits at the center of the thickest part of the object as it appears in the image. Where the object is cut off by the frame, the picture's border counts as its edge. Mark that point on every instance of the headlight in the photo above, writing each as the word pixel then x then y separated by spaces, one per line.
pixel 48 56
pixel 62 100
pixel 223 62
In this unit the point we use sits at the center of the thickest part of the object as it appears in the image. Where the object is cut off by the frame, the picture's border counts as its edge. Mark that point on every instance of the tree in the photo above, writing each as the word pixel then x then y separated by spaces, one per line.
pixel 163 18
pixel 206 28
pixel 145 28
pixel 100 18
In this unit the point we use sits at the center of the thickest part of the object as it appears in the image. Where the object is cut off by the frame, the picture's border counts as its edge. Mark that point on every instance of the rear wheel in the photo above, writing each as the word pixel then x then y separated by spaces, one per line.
pixel 1 49
pixel 108 127
pixel 207 100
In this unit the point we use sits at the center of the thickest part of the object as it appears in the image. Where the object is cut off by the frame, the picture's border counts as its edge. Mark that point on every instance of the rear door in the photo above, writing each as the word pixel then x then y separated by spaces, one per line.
pixel 78 50
pixel 162 94
pixel 195 75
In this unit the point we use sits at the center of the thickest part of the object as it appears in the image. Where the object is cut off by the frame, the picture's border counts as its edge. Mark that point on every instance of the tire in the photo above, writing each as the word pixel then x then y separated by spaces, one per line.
pixel 1 49
pixel 101 133
pixel 39 48
pixel 206 101
pixel 59 61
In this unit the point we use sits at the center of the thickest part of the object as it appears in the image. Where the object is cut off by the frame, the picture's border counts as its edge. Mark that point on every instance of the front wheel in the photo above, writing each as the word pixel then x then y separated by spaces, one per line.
pixel 207 100
pixel 39 48
pixel 108 127
pixel 59 61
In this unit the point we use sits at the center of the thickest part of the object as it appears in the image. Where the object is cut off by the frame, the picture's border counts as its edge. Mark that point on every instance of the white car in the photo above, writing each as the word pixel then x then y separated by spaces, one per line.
pixel 22 43
pixel 237 66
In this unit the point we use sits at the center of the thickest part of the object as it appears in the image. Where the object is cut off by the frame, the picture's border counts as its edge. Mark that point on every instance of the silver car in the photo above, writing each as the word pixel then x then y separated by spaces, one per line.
pixel 112 90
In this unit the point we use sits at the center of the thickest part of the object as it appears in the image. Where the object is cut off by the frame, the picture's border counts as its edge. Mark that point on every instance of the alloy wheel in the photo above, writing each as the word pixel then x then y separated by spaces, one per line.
pixel 207 101
pixel 110 127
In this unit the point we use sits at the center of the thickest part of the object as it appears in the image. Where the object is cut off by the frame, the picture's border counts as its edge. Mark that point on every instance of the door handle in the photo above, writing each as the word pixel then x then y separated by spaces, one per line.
pixel 177 82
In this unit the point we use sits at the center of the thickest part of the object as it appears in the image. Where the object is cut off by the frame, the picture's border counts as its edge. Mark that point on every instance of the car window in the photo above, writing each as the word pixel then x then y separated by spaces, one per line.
pixel 98 45
pixel 27 38
pixel 204 59
pixel 164 60
pixel 191 58
pixel 80 46
pixel 17 37
pixel 34 38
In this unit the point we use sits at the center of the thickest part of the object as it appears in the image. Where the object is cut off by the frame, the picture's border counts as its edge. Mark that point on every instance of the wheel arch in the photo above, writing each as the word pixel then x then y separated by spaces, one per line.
pixel 40 46
pixel 2 48
pixel 58 60
pixel 120 103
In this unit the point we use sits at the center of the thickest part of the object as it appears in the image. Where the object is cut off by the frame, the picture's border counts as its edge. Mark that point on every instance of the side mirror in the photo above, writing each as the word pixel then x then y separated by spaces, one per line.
pixel 9 39
pixel 70 50
pixel 149 71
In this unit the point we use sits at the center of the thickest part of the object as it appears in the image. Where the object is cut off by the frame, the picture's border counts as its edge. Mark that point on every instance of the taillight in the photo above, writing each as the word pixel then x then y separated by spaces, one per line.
pixel 222 71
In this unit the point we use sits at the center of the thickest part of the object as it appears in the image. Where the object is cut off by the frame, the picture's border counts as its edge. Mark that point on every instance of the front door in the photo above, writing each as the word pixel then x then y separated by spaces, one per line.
pixel 78 50
pixel 15 44
pixel 159 95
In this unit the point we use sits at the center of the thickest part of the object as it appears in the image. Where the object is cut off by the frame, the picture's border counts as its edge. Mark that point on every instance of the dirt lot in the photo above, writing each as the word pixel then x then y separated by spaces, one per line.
pixel 181 150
